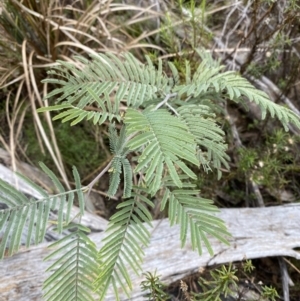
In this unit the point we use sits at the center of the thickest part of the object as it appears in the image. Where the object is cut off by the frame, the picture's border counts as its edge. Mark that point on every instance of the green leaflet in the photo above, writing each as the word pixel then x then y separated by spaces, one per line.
pixel 166 143
pixel 122 246
pixel 105 82
pixel 193 212
pixel 208 135
pixel 29 217
pixel 75 270
pixel 209 78
pixel 119 163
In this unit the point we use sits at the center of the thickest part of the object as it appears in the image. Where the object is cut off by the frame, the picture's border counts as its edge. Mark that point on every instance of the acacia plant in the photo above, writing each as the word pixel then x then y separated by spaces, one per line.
pixel 161 129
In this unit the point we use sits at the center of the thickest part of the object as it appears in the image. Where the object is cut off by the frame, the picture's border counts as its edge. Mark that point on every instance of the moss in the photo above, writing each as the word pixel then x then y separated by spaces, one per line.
pixel 77 145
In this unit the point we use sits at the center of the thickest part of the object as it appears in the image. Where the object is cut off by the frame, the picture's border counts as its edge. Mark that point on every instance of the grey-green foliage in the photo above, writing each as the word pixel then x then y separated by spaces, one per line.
pixel 169 128
pixel 75 267
pixel 165 143
pixel 224 282
pixel 190 211
pixel 119 162
pixel 75 270
pixel 127 234
pixel 30 216
pixel 153 288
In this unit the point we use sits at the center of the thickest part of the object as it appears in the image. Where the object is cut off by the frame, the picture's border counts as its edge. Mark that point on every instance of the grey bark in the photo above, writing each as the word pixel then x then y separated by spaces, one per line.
pixel 256 233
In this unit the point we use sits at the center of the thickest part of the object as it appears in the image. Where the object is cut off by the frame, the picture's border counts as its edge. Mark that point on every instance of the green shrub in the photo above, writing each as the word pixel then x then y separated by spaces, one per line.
pixel 161 129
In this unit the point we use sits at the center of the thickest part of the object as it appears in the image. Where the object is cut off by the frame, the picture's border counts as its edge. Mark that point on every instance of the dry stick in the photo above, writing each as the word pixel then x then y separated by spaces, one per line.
pixel 234 28
pixel 56 149
pixel 244 38
pixel 285 279
pixel 90 175
pixel 293 266
pixel 15 80
pixel 27 71
pixel 90 186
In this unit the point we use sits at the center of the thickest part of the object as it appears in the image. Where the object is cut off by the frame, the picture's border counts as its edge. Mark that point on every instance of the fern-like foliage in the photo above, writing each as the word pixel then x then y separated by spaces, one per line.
pixel 29 217
pixel 201 123
pixel 96 91
pixel 106 81
pixel 119 161
pixel 209 78
pixel 126 236
pixel 166 143
pixel 75 268
pixel 77 114
pixel 187 209
pixel 169 129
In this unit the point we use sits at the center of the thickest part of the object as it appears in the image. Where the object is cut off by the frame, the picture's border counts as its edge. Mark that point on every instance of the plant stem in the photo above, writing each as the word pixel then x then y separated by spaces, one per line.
pixel 98 177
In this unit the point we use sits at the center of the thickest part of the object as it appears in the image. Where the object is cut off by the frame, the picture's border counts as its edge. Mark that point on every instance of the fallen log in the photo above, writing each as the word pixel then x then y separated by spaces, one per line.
pixel 92 221
pixel 256 233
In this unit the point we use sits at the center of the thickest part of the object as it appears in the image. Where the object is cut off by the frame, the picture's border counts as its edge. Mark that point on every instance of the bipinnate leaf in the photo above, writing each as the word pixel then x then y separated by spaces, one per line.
pixel 210 78
pixel 105 81
pixel 164 142
pixel 119 163
pixel 193 213
pixel 24 220
pixel 122 250
pixel 209 137
pixel 170 128
pixel 75 267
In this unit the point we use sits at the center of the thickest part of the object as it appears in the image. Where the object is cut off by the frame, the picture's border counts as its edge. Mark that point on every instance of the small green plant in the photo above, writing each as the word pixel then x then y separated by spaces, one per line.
pixel 161 129
pixel 269 292
pixel 224 284
pixel 271 163
pixel 224 280
pixel 153 288
pixel 248 267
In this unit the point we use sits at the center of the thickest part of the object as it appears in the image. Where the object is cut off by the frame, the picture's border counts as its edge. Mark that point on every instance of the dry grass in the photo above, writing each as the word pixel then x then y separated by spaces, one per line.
pixel 35 34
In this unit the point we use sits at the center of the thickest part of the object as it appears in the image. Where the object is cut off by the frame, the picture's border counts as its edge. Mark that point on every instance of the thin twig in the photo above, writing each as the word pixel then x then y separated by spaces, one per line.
pixel 168 96
pixel 172 109
pixel 293 266
pixel 284 279
pixel 98 177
